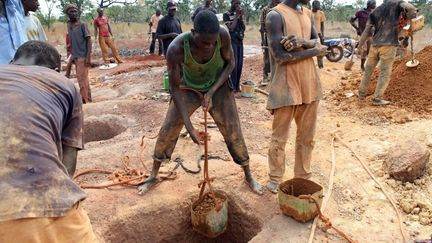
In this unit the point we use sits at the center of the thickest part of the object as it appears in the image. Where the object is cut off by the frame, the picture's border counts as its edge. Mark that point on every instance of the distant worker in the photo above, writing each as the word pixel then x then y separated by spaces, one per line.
pixel 295 88
pixel 319 20
pixel 207 6
pixel 154 21
pixel 41 125
pixel 12 29
pixel 102 29
pixel 80 46
pixel 199 64
pixel 234 21
pixel 169 27
pixel 384 22
pixel 361 17
pixel 34 29
pixel 264 41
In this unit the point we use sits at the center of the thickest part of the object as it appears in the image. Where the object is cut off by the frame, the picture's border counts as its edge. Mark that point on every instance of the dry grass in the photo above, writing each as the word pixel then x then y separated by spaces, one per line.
pixel 123 31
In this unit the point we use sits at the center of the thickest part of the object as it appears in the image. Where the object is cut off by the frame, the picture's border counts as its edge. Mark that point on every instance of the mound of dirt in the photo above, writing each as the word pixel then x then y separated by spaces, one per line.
pixel 411 88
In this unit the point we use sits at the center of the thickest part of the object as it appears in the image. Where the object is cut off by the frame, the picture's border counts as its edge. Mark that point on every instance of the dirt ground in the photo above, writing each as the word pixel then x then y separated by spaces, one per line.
pixel 129 102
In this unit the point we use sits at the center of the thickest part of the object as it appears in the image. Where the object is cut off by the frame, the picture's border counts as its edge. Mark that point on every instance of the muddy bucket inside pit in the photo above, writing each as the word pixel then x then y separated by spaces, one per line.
pixel 290 203
pixel 206 219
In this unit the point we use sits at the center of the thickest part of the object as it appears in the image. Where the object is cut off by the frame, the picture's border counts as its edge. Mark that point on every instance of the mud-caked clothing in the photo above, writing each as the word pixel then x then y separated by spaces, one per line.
pixel 201 77
pixel 384 20
pixel 294 94
pixel 385 56
pixel 73 227
pixel 41 111
pixel 78 35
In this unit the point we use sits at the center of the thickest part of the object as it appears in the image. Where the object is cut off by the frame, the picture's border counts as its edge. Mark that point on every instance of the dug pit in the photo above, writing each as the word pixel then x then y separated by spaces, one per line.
pixel 103 127
pixel 172 223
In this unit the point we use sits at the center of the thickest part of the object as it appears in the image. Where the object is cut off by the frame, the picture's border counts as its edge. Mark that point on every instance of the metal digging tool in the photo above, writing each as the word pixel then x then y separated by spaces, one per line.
pixel 413 62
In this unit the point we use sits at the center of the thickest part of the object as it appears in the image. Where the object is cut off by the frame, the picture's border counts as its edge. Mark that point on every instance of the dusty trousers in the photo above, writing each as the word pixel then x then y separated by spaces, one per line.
pixel 105 43
pixel 386 56
pixel 73 227
pixel 266 67
pixel 305 116
pixel 83 80
pixel 224 113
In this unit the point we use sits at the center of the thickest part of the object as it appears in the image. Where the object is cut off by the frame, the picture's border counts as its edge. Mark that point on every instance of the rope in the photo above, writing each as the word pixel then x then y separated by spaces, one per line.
pixel 326 221
pixel 392 202
pixel 329 190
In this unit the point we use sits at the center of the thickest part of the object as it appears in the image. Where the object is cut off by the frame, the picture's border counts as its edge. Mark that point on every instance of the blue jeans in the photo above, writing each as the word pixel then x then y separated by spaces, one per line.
pixel 236 73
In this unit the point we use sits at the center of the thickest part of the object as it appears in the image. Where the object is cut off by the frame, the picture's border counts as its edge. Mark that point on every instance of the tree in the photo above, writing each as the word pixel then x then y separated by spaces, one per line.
pixel 47 18
pixel 84 6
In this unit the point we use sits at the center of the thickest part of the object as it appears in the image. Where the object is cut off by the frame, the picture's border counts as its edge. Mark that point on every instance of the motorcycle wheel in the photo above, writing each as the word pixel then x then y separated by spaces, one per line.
pixel 335 53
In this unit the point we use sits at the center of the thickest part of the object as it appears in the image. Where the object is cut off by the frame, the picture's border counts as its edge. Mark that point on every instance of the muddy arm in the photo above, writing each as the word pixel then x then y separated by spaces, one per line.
pixel 70 159
pixel 274 26
pixel 352 22
pixel 175 58
pixel 366 33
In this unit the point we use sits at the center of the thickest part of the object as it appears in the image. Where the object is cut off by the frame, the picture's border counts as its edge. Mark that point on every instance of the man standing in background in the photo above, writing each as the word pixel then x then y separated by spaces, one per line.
pixel 361 17
pixel 169 27
pixel 154 21
pixel 319 19
pixel 34 27
pixel 264 41
pixel 80 42
pixel 207 6
pixel 101 23
pixel 234 21
pixel 383 25
pixel 12 29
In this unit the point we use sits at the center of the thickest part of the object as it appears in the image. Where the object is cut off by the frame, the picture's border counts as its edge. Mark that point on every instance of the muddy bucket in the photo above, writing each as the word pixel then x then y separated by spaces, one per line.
pixel 292 205
pixel 206 218
pixel 247 89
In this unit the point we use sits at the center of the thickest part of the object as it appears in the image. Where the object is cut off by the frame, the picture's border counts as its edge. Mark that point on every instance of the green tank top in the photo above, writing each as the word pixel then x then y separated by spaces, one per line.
pixel 201 76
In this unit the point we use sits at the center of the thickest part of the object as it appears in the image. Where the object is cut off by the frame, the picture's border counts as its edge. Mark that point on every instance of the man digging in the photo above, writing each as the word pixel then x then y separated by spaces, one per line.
pixel 201 60
pixel 295 88
pixel 384 22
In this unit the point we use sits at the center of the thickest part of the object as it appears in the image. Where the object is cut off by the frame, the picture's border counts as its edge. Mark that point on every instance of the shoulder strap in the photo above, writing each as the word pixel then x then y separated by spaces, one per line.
pixel 186 47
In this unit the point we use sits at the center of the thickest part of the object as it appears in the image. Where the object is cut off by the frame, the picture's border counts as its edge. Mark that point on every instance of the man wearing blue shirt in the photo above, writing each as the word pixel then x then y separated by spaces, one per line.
pixel 12 29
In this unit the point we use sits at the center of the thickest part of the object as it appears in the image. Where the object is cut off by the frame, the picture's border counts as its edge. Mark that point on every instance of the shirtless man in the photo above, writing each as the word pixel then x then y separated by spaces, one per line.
pixel 201 60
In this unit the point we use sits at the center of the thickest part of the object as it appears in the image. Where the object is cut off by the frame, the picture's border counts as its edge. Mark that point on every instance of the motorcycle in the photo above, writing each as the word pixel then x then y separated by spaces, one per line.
pixel 339 48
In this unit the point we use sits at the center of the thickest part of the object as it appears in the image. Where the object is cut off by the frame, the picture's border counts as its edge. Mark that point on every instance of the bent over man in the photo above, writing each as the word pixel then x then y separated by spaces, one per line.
pixel 201 60
pixel 295 88
pixel 41 126
pixel 384 22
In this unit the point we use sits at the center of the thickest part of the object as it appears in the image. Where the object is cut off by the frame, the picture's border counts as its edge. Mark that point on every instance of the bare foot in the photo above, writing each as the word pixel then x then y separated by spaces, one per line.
pixel 273 186
pixel 147 185
pixel 255 186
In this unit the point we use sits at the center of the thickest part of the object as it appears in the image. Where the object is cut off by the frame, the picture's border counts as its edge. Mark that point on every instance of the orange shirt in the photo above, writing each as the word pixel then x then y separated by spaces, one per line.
pixel 294 83
pixel 102 24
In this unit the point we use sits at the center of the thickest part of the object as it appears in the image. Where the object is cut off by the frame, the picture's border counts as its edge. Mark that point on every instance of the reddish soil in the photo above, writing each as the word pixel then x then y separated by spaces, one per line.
pixel 207 204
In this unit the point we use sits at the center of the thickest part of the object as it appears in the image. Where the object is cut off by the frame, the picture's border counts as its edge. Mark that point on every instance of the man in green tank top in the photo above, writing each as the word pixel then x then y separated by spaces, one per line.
pixel 201 61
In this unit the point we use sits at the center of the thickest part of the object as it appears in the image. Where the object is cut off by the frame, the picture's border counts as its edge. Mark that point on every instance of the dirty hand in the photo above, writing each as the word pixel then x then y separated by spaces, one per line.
pixel 291 43
pixel 198 137
pixel 207 101
pixel 322 50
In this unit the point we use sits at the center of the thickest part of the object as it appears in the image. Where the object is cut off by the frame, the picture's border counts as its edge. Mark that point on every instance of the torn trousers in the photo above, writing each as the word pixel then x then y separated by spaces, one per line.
pixel 224 113
pixel 74 227
pixel 305 116
pixel 83 80
pixel 386 56
pixel 105 43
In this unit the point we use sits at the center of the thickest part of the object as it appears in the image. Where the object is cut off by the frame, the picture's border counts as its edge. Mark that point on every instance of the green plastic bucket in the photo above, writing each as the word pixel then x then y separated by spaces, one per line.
pixel 165 81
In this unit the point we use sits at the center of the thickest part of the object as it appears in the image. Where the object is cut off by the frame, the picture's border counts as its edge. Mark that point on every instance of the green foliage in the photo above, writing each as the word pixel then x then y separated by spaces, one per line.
pixel 85 7
pixel 128 13
pixel 425 7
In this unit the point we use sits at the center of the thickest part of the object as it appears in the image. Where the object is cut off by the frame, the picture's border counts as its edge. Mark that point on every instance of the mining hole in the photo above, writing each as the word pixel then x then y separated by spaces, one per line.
pixel 102 128
pixel 173 224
